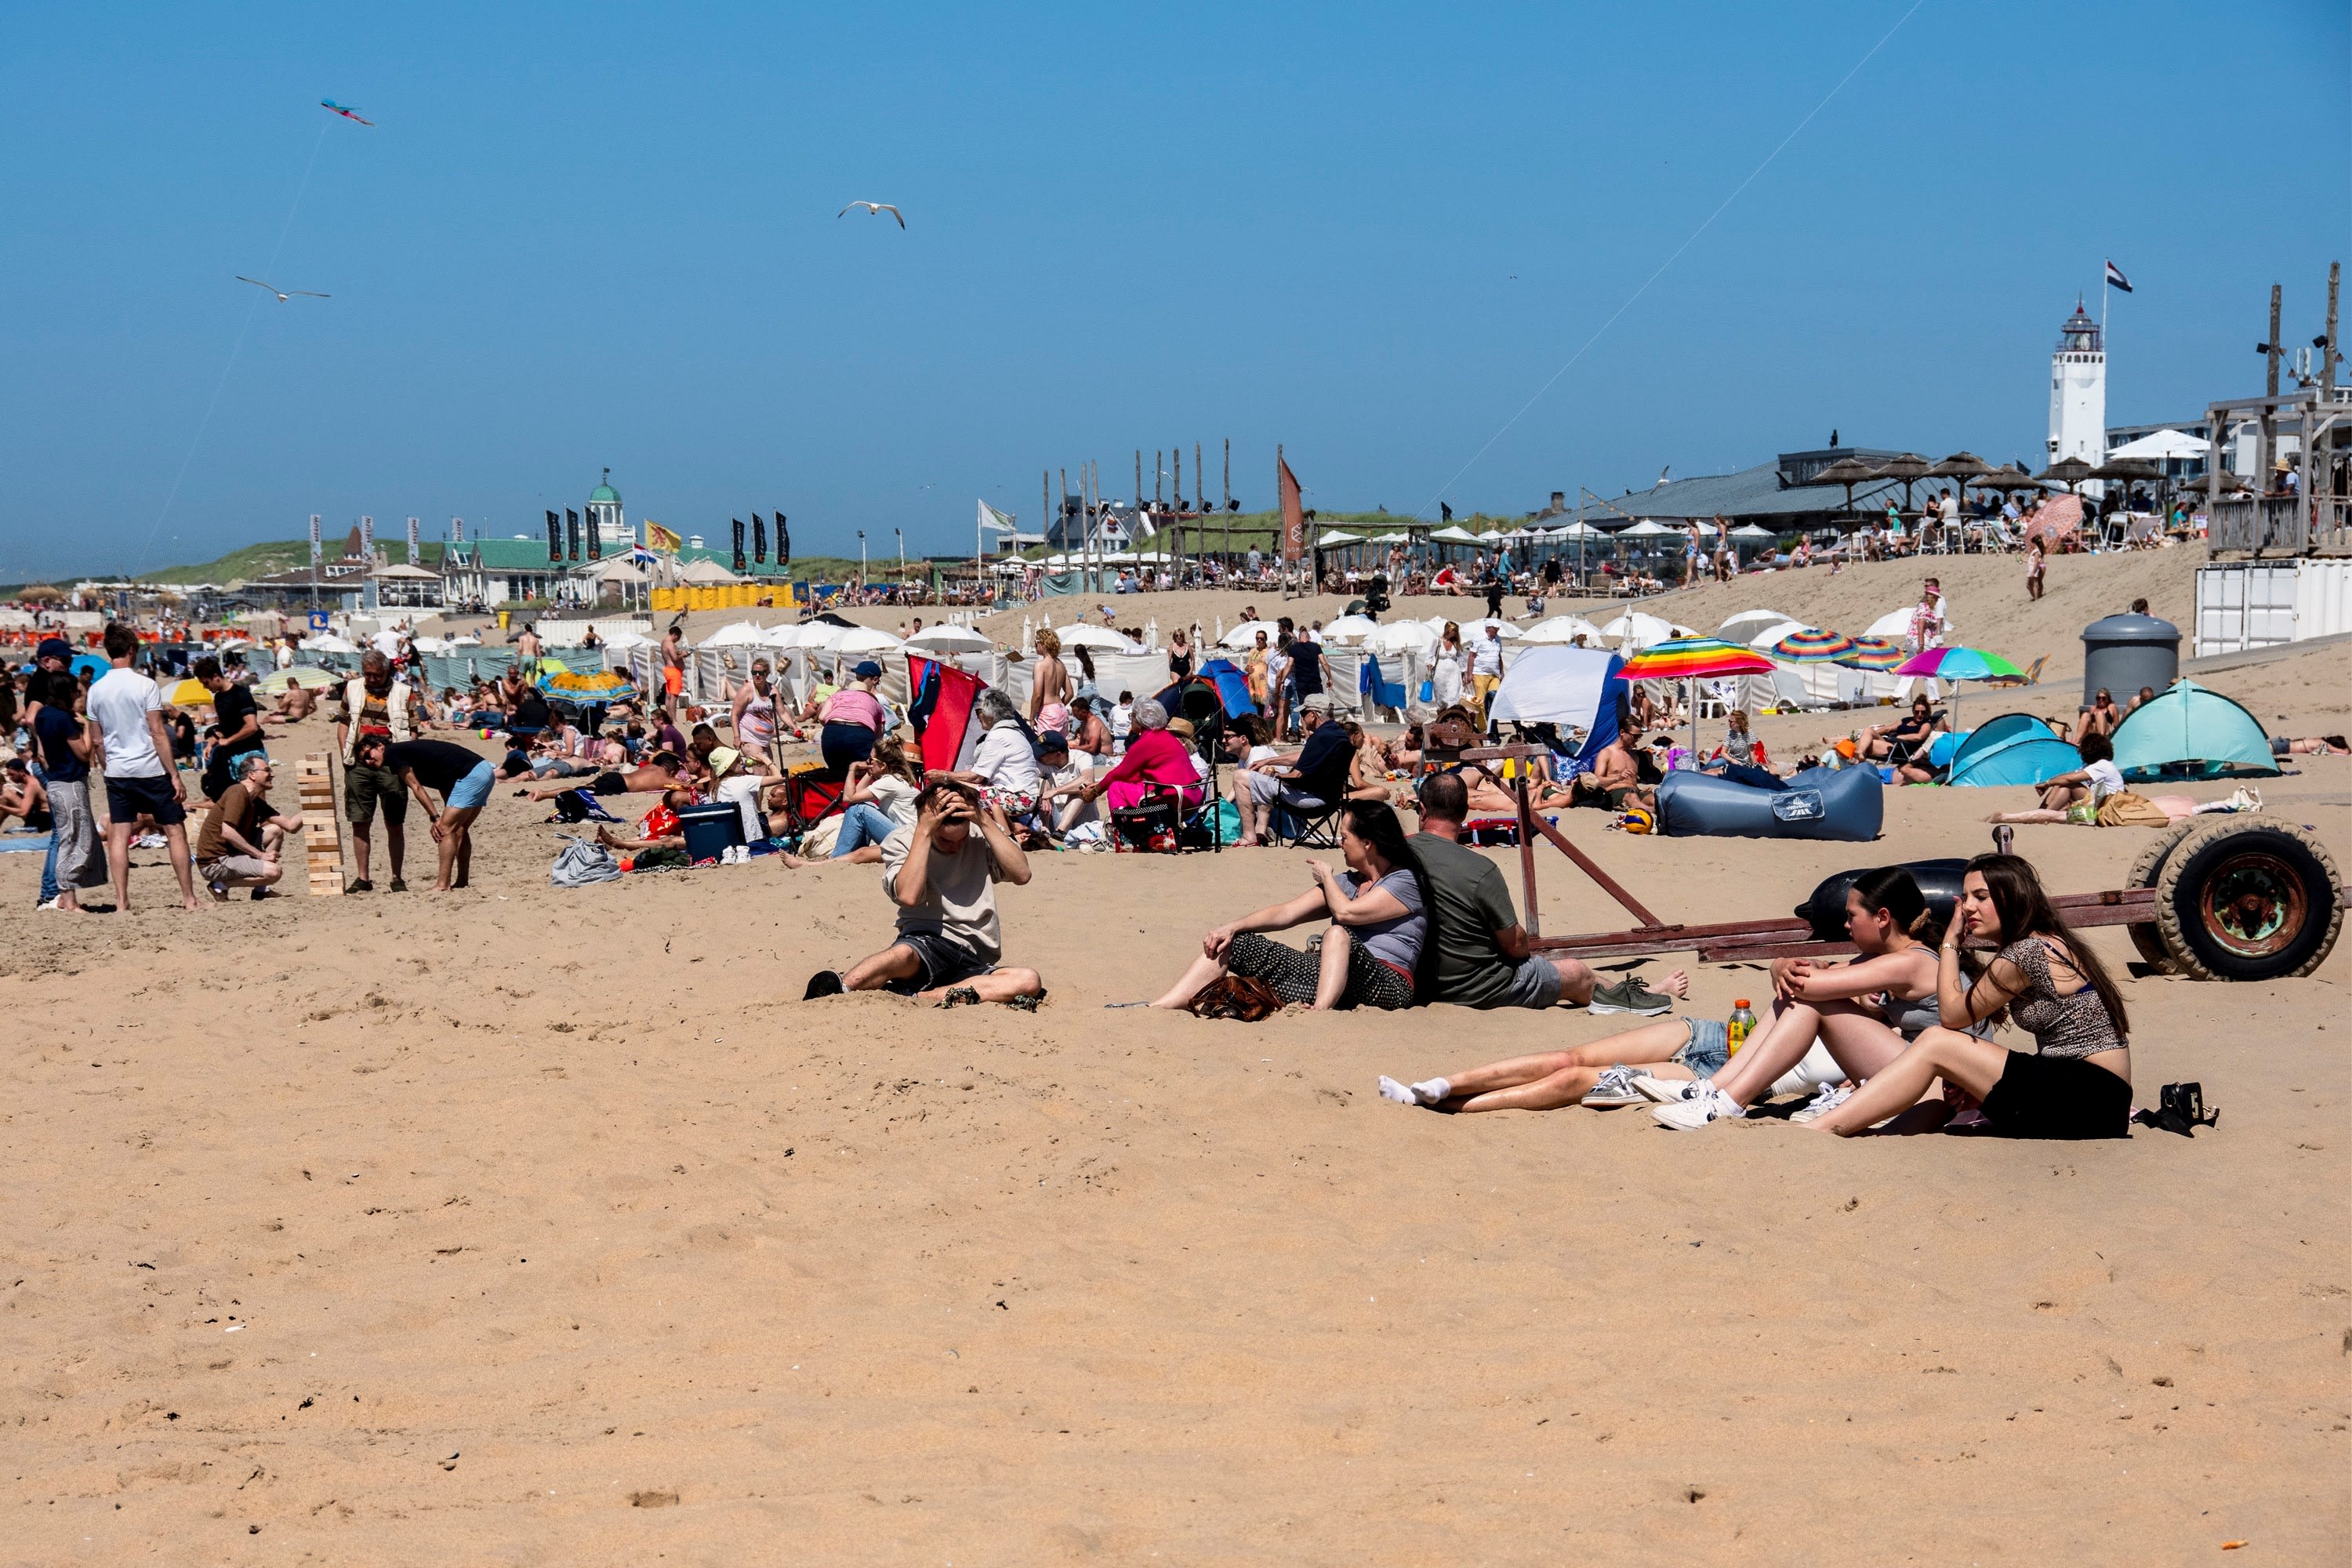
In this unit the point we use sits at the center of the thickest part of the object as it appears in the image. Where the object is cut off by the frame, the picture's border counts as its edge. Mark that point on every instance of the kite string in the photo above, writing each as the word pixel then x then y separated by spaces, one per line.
pixel 234 349
pixel 1674 257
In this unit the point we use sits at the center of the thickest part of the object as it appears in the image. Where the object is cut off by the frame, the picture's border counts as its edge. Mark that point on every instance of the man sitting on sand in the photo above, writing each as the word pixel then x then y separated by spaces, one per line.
pixel 1615 781
pixel 1483 956
pixel 942 878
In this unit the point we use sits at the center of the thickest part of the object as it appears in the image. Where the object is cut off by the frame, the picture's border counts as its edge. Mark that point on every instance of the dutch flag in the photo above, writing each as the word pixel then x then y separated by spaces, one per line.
pixel 2115 279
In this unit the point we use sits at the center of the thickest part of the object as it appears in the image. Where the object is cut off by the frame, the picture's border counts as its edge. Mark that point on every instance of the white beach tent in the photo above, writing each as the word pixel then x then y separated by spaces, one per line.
pixel 945 639
pixel 1563 630
pixel 864 639
pixel 1080 634
pixel 1647 529
pixel 1637 629
pixel 1337 536
pixel 1750 531
pixel 1350 631
pixel 2163 445
pixel 1245 635
pixel 1456 534
pixel 741 634
pixel 706 574
pixel 1553 685
pixel 1475 631
pixel 1404 636
pixel 1750 617
pixel 1893 624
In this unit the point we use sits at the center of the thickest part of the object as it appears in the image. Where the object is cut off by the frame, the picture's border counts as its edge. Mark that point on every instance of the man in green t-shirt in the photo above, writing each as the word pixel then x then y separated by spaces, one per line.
pixel 1482 955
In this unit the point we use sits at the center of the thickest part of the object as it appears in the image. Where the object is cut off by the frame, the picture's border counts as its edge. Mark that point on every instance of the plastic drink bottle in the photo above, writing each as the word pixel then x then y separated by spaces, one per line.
pixel 1740 1025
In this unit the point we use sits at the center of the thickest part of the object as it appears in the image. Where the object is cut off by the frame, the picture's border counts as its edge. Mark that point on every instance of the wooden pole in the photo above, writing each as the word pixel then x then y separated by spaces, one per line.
pixel 1061 513
pixel 1159 464
pixel 2329 356
pixel 2270 389
pixel 1138 478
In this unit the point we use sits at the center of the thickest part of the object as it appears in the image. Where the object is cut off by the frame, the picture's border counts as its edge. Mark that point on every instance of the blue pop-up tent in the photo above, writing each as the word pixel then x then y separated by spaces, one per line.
pixel 2192 733
pixel 2014 749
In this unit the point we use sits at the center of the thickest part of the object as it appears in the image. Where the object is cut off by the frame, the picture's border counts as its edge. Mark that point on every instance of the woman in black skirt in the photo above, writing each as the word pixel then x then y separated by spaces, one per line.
pixel 1374 954
pixel 2074 1083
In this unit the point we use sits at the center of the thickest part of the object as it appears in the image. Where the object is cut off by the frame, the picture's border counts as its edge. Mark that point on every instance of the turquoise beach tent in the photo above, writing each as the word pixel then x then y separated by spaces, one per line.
pixel 2014 749
pixel 2192 733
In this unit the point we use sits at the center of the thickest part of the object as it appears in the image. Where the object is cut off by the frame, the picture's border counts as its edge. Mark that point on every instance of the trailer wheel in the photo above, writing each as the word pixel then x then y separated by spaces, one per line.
pixel 2249 901
pixel 2147 936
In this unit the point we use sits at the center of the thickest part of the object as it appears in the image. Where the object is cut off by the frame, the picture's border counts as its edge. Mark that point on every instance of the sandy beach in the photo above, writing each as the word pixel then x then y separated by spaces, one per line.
pixel 535 1226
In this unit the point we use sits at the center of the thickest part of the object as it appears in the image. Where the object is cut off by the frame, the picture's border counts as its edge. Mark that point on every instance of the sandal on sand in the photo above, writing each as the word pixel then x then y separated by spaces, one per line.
pixel 960 996
pixel 1022 1004
pixel 824 983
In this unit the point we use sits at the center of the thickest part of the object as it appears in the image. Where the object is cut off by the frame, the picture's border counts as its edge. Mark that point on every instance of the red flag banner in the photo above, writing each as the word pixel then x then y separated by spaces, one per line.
pixel 1293 516
pixel 939 705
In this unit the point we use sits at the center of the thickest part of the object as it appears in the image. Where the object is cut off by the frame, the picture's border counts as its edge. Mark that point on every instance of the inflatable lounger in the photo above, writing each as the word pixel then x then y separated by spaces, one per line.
pixel 1820 803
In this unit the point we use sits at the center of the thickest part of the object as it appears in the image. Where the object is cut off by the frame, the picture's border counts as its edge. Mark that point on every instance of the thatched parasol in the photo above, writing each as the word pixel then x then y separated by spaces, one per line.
pixel 1846 471
pixel 2126 469
pixel 2067 472
pixel 1910 467
pixel 1961 467
pixel 2008 479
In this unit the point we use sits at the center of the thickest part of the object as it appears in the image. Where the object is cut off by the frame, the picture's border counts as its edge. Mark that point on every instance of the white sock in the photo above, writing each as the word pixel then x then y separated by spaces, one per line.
pixel 1392 1090
pixel 1429 1091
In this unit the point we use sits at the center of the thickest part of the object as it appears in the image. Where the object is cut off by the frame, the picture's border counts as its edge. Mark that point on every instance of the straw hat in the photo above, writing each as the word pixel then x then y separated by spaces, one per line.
pixel 723 760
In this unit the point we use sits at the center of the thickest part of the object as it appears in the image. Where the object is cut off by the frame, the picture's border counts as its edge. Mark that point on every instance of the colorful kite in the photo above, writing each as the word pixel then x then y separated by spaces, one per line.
pixel 346 113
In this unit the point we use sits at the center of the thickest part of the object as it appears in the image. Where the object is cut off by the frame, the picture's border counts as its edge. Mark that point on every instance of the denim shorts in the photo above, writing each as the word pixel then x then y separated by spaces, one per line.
pixel 1707 1049
pixel 473 792
pixel 945 961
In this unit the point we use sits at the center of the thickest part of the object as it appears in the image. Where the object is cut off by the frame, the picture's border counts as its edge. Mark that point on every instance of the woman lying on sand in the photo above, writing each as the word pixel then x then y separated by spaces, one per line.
pixel 2077 797
pixel 2074 1083
pixel 1376 953
pixel 1864 1012
pixel 1600 1074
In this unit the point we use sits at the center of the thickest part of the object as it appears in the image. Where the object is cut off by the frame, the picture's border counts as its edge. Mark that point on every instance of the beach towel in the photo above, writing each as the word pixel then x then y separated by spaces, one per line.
pixel 939 705
pixel 580 863
pixel 1376 692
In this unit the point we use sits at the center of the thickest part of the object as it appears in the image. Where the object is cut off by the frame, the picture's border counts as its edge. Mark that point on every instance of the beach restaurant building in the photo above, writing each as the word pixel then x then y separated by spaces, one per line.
pixel 1779 496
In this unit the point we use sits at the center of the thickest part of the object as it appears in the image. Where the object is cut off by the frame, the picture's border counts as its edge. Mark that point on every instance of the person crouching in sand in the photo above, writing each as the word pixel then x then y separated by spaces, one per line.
pixel 941 876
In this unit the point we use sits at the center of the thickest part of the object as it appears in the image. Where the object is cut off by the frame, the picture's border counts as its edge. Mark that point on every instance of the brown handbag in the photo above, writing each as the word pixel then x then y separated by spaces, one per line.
pixel 1235 996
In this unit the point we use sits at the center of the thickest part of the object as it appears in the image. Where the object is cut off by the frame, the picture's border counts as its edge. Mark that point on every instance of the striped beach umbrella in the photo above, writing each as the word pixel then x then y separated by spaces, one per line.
pixel 1694 659
pixel 1873 653
pixel 1956 665
pixel 1812 645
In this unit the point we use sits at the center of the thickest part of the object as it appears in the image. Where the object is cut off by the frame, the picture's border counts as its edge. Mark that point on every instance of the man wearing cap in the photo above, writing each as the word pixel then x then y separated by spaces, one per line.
pixel 1486 669
pixel 463 780
pixel 1299 782
pixel 54 656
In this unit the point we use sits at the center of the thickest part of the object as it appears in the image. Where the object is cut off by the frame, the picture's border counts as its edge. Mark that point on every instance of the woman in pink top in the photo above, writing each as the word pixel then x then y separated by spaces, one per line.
pixel 853 720
pixel 1154 757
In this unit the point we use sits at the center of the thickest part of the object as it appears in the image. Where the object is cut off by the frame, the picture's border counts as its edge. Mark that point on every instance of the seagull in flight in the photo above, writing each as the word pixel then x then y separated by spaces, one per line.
pixel 283 294
pixel 875 209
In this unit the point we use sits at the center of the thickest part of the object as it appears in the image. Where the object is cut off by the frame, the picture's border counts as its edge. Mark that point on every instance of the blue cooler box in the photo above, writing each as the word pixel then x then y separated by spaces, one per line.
pixel 710 830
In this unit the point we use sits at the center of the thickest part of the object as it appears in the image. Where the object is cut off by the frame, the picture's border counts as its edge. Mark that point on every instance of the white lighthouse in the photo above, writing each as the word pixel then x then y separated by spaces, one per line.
pixel 2078 391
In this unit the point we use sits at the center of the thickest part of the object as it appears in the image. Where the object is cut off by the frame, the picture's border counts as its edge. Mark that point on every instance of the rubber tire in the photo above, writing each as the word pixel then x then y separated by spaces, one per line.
pixel 2148 937
pixel 2183 879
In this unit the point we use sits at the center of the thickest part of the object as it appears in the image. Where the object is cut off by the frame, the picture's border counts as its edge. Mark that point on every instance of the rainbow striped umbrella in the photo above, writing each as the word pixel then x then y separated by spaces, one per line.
pixel 1874 653
pixel 1812 645
pixel 1695 659
pixel 1956 665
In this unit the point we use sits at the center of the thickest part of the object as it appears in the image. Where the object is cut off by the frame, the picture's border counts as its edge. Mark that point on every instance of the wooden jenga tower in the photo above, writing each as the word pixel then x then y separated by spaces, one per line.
pixel 322 829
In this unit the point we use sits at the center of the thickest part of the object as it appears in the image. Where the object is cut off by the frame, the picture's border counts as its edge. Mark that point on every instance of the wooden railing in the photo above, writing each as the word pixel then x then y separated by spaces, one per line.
pixel 2281 525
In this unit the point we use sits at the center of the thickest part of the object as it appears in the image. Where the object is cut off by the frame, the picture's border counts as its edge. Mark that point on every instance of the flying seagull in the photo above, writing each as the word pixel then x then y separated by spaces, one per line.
pixel 346 113
pixel 874 209
pixel 283 294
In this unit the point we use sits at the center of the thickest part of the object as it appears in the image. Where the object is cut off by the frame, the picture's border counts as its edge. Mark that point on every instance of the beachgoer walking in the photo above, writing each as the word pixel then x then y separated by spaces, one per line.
pixel 673 668
pixel 1485 672
pixel 125 718
pixel 1449 666
pixel 2036 562
pixel 941 873
pixel 374 704
pixel 237 726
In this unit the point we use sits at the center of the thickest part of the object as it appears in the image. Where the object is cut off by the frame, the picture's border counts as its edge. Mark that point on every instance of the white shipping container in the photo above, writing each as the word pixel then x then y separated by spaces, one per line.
pixel 2244 604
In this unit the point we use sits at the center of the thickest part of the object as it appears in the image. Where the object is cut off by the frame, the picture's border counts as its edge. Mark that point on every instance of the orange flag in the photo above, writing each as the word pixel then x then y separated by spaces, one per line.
pixel 1294 517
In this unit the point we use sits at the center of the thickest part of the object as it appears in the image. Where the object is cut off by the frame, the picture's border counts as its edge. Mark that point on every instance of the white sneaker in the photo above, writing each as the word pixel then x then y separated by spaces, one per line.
pixel 1831 1097
pixel 1664 1091
pixel 56 904
pixel 1615 1087
pixel 1708 1106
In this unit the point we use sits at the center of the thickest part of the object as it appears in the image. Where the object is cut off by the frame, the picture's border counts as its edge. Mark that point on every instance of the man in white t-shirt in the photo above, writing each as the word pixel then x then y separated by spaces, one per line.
pixel 126 725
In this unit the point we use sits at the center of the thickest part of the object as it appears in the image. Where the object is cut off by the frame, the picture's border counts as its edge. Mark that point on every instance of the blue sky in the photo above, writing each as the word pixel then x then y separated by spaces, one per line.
pixel 599 234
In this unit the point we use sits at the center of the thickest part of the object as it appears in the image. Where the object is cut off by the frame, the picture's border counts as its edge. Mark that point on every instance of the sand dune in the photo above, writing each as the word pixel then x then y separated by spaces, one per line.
pixel 536 1226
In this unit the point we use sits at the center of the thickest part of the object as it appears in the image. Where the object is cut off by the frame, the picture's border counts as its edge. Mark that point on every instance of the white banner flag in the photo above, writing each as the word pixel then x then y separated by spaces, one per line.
pixel 314 539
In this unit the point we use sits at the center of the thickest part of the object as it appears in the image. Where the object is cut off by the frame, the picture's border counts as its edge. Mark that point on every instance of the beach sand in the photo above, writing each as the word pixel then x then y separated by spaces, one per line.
pixel 532 1226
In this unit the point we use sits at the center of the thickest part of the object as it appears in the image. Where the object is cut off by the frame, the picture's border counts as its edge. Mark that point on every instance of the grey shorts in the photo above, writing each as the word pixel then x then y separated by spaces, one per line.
pixel 234 868
pixel 943 961
pixel 1535 984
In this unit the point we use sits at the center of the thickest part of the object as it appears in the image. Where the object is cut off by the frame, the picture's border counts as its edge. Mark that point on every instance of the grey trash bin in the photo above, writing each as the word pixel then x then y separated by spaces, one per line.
pixel 2123 653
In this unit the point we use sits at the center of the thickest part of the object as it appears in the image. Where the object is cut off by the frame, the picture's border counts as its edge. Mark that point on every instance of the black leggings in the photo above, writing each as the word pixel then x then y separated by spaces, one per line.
pixel 843 745
pixel 1293 975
